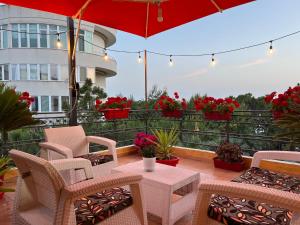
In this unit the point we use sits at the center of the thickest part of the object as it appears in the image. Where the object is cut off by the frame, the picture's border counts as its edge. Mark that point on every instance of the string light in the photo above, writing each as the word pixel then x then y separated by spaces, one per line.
pixel 140 60
pixel 171 63
pixel 213 61
pixel 271 49
pixel 105 55
pixel 58 41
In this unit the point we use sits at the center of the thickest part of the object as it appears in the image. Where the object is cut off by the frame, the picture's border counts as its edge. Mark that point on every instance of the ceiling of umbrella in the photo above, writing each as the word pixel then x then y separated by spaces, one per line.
pixel 141 17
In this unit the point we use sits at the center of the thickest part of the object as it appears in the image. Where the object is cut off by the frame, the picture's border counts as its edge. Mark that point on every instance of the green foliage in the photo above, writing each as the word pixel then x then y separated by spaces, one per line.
pixel 13 113
pixel 165 142
pixel 4 168
pixel 148 151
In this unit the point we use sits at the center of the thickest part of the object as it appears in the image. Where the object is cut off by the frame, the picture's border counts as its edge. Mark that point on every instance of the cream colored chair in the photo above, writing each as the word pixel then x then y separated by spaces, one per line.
pixel 43 198
pixel 71 142
pixel 258 196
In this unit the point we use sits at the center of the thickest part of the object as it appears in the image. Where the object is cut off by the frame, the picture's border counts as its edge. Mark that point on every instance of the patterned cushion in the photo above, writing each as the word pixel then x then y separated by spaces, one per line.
pixel 96 158
pixel 99 206
pixel 236 211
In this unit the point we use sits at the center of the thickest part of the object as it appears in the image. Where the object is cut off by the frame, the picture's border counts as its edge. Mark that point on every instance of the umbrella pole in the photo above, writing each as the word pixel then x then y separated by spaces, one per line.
pixel 146 78
pixel 72 73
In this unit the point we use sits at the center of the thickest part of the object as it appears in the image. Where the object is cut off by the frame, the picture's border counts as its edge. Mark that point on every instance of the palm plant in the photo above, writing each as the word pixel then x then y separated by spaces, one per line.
pixel 165 140
pixel 14 113
pixel 4 168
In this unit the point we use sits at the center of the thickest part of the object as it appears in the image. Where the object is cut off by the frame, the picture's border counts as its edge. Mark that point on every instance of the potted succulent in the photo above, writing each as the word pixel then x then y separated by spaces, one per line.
pixel 171 107
pixel 4 168
pixel 281 103
pixel 145 143
pixel 216 109
pixel 165 140
pixel 229 157
pixel 114 107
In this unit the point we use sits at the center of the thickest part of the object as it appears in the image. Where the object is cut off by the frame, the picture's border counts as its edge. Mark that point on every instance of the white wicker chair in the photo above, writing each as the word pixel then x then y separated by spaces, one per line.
pixel 71 142
pixel 284 199
pixel 42 197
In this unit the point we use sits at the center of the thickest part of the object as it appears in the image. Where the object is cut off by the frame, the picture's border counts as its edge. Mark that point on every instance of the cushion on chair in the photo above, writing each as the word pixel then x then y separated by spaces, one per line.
pixel 97 158
pixel 237 211
pixel 99 206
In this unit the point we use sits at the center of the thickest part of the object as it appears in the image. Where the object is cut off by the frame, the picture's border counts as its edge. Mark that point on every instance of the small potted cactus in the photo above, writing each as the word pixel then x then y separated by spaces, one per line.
pixel 229 157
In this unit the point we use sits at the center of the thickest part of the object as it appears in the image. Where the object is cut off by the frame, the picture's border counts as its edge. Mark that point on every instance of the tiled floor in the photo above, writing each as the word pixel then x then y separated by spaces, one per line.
pixel 205 167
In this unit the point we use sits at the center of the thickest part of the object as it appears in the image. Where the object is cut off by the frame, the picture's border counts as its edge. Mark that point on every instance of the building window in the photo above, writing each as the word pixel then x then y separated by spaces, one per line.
pixel 23 35
pixel 44 72
pixel 23 72
pixel 4 72
pixel 35 104
pixel 63 36
pixel 43 35
pixel 33 36
pixel 82 73
pixel 15 36
pixel 54 72
pixel 45 103
pixel 88 36
pixel 53 37
pixel 54 103
pixel 14 72
pixel 3 36
pixel 33 72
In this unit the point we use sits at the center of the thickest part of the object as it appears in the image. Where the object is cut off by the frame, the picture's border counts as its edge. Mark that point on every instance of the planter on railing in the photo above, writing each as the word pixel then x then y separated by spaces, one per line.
pixel 217 116
pixel 111 114
pixel 170 162
pixel 174 114
pixel 277 115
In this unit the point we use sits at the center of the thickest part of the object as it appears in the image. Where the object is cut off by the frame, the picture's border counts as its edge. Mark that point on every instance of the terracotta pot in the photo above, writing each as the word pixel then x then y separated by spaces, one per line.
pixel 175 113
pixel 1 183
pixel 111 114
pixel 217 116
pixel 149 164
pixel 170 162
pixel 239 166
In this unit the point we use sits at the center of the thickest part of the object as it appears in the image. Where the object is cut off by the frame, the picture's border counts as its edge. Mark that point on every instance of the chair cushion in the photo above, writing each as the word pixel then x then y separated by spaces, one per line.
pixel 237 211
pixel 99 206
pixel 97 158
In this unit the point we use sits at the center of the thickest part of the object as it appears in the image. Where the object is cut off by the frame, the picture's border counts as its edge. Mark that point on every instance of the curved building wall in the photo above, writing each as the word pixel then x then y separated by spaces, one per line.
pixel 31 61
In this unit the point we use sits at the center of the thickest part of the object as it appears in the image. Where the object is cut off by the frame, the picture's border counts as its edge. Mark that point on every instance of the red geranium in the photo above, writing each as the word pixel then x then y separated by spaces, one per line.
pixel 210 104
pixel 25 98
pixel 167 103
pixel 113 103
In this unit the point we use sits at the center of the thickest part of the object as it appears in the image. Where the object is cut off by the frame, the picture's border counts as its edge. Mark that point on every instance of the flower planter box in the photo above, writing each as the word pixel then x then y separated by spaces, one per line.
pixel 228 166
pixel 277 115
pixel 170 162
pixel 217 116
pixel 1 183
pixel 173 114
pixel 111 114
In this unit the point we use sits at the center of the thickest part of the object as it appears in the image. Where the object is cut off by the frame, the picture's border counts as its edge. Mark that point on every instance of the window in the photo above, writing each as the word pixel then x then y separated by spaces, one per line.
pixel 54 72
pixel 15 36
pixel 35 104
pixel 45 103
pixel 53 35
pixel 33 72
pixel 4 72
pixel 23 34
pixel 3 36
pixel 82 73
pixel 63 36
pixel 23 72
pixel 54 103
pixel 14 72
pixel 44 72
pixel 43 36
pixel 88 36
pixel 33 36
pixel 81 41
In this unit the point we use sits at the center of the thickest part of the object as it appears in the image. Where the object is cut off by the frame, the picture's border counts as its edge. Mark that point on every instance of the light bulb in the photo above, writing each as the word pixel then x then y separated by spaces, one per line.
pixel 271 49
pixel 160 17
pixel 105 56
pixel 213 61
pixel 171 63
pixel 58 42
pixel 140 60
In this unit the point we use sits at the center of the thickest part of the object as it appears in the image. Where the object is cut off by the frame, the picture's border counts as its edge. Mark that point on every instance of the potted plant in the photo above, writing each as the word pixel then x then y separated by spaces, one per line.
pixel 216 109
pixel 165 140
pixel 14 112
pixel 4 168
pixel 145 143
pixel 171 107
pixel 281 103
pixel 114 107
pixel 229 157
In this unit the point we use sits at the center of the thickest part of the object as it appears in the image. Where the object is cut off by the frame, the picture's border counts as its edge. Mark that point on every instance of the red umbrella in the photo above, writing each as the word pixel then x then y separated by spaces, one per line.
pixel 141 17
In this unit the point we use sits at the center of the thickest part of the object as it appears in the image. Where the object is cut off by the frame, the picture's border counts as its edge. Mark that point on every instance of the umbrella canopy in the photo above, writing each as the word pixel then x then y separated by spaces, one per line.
pixel 141 17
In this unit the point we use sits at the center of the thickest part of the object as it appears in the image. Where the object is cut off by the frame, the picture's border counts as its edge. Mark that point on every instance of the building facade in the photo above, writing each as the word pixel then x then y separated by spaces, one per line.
pixel 30 59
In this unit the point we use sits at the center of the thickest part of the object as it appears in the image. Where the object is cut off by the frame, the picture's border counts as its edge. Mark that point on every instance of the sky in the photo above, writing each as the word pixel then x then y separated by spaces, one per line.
pixel 251 70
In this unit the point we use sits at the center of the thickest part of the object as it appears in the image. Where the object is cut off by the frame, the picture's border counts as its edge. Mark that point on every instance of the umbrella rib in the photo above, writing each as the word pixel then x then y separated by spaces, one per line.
pixel 217 6
pixel 147 21
pixel 82 9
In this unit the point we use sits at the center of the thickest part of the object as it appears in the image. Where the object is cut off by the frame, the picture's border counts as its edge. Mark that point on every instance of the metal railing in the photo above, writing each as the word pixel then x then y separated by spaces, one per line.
pixel 252 130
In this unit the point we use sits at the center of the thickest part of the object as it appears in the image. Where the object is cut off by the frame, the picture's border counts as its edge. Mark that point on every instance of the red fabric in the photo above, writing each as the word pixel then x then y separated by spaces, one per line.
pixel 130 16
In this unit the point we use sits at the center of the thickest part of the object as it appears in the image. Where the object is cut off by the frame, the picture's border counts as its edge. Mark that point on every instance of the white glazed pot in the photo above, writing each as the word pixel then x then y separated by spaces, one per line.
pixel 149 164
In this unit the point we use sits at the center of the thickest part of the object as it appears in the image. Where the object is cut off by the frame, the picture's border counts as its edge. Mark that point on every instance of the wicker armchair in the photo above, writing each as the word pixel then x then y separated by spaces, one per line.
pixel 258 196
pixel 42 196
pixel 71 142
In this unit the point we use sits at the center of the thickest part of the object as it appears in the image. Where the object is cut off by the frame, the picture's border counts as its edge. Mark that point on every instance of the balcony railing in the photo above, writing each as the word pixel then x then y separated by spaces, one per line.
pixel 252 130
